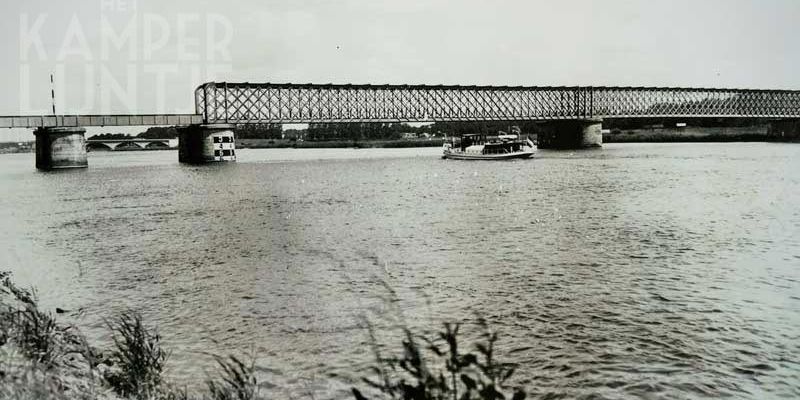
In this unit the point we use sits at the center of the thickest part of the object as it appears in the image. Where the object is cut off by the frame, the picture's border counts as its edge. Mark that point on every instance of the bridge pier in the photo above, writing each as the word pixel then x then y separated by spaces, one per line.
pixel 60 148
pixel 198 144
pixel 571 134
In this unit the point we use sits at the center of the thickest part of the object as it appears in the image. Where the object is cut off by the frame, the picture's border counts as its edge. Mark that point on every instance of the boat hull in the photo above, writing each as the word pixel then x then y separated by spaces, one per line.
pixel 506 156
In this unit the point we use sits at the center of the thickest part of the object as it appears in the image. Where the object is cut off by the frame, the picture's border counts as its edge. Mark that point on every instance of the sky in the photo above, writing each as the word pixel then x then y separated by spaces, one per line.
pixel 147 56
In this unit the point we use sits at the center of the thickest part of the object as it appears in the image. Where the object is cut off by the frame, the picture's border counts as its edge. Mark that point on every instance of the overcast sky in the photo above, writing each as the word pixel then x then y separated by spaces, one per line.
pixel 172 46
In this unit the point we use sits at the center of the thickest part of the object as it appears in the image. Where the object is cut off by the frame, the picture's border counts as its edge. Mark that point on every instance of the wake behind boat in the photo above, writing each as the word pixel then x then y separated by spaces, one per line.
pixel 488 147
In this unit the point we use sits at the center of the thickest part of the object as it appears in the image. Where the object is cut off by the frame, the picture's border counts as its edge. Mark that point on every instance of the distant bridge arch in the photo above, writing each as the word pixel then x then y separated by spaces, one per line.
pixel 157 145
pixel 130 144
pixel 95 146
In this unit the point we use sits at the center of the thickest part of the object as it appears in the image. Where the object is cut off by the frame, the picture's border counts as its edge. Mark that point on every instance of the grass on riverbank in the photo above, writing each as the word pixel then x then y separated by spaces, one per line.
pixel 41 358
pixel 438 368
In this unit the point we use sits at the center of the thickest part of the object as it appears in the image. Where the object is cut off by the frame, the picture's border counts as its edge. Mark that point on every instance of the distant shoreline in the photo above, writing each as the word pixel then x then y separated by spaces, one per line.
pixel 639 135
pixel 699 139
pixel 695 134
pixel 335 144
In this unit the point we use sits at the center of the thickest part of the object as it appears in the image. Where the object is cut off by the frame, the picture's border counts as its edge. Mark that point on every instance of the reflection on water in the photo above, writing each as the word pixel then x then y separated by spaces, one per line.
pixel 627 271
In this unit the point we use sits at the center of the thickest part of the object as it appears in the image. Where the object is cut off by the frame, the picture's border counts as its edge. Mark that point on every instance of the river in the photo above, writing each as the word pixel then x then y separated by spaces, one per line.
pixel 637 270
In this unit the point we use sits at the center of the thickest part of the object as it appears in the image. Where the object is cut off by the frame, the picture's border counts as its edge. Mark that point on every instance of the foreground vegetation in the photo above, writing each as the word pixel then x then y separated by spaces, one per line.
pixel 41 358
pixel 438 368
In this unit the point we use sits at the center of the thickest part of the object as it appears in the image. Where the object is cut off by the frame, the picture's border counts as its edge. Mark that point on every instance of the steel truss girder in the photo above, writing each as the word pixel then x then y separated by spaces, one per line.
pixel 248 103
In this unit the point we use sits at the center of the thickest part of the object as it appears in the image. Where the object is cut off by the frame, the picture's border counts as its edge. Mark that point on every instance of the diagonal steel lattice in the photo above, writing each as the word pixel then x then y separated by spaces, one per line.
pixel 243 103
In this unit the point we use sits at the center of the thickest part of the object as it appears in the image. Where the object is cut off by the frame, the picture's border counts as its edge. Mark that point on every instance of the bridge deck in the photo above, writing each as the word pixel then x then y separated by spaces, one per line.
pixel 36 121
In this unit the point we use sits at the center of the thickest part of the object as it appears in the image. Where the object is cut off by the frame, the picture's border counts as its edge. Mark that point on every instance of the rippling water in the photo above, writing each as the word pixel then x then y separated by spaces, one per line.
pixel 635 270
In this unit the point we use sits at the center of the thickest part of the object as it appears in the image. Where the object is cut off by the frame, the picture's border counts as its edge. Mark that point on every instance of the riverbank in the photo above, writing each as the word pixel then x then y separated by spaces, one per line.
pixel 16 147
pixel 758 133
pixel 42 358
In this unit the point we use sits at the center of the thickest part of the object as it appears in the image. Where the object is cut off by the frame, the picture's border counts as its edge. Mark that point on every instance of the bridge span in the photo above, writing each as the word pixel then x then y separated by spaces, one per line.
pixel 572 114
pixel 242 103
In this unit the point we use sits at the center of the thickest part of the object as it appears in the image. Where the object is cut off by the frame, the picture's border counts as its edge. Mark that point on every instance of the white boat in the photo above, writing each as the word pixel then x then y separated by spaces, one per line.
pixel 486 147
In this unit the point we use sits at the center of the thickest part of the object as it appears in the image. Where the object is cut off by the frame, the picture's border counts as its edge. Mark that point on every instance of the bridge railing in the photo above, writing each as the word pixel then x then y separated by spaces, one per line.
pixel 243 103
pixel 43 121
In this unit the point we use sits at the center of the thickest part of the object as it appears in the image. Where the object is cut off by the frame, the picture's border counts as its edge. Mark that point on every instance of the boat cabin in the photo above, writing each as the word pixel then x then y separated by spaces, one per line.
pixel 490 144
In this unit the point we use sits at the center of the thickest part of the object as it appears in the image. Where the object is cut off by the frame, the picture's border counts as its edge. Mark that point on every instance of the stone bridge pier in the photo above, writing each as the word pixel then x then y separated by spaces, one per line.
pixel 60 148
pixel 571 134
pixel 198 144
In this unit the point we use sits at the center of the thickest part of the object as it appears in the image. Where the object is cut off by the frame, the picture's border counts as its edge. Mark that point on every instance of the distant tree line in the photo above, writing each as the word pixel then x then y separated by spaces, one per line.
pixel 483 127
pixel 363 131
pixel 159 132
pixel 637 123
pixel 156 132
pixel 259 131
pixel 357 131
pixel 111 136
pixel 393 131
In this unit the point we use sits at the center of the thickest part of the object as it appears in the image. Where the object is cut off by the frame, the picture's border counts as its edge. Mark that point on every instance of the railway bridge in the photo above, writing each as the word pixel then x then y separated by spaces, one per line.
pixel 575 113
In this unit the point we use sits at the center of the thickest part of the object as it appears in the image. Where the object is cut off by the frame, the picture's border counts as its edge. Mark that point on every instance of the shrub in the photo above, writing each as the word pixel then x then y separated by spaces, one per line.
pixel 35 331
pixel 236 382
pixel 437 369
pixel 137 357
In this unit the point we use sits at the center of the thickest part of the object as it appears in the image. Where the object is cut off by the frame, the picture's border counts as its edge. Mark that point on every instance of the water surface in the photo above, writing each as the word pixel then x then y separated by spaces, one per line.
pixel 635 270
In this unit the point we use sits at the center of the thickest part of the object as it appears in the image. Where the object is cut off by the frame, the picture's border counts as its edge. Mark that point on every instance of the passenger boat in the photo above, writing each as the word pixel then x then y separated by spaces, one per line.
pixel 488 147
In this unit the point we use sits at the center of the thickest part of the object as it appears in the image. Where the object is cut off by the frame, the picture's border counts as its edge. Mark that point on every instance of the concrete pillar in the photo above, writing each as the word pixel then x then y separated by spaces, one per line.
pixel 60 147
pixel 571 134
pixel 199 144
